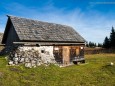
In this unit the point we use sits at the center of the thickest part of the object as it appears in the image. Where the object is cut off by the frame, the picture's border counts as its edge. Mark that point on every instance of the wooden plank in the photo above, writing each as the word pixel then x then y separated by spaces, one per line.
pixel 66 55
pixel 77 51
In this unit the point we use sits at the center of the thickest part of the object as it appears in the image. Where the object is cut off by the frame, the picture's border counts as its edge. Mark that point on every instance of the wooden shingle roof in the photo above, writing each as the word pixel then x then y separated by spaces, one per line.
pixel 33 30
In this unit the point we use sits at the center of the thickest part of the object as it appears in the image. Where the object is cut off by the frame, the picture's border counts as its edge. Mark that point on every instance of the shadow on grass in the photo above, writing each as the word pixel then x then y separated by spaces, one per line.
pixel 3 56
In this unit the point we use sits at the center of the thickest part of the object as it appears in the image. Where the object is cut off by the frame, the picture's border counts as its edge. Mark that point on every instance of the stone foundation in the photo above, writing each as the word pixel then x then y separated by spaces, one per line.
pixel 32 56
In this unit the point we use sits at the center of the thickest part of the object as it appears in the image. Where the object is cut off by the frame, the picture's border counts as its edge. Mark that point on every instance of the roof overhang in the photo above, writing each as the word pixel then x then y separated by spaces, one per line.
pixel 46 43
pixel 2 44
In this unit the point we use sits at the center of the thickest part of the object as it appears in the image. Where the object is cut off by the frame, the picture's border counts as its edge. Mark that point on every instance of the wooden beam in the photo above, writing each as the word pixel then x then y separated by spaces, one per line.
pixel 47 43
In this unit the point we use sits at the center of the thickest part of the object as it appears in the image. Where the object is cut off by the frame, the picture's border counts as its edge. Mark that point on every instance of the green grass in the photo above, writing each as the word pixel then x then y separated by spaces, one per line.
pixel 96 72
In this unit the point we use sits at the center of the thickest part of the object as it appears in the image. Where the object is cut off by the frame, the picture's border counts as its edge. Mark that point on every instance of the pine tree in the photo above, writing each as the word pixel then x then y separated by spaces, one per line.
pixel 112 38
pixel 92 44
pixel 99 45
pixel 106 43
pixel 95 45
pixel 87 45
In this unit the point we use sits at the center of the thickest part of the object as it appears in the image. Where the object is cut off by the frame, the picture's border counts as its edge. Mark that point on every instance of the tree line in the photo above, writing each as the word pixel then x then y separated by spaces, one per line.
pixel 93 45
pixel 109 42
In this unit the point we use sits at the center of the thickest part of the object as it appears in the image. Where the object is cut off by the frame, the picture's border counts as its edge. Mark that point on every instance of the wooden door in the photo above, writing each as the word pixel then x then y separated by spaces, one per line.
pixel 77 51
pixel 66 55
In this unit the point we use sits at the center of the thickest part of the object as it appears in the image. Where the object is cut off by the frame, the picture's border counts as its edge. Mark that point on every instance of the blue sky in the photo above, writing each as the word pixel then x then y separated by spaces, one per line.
pixel 93 19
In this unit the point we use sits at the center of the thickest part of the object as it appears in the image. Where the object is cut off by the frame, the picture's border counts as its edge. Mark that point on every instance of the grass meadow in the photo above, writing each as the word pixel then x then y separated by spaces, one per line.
pixel 95 72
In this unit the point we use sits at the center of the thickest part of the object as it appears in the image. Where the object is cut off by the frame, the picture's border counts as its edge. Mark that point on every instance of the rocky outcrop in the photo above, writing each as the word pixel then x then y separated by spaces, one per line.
pixel 32 56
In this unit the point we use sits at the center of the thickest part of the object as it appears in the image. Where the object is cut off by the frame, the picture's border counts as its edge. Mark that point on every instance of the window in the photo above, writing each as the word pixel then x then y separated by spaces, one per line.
pixel 42 51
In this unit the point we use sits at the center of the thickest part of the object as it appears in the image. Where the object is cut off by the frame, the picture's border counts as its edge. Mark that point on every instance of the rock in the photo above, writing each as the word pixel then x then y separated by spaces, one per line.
pixel 33 63
pixel 16 62
pixel 6 58
pixel 111 63
pixel 16 59
pixel 10 62
pixel 27 59
pixel 38 62
pixel 34 66
pixel 28 65
pixel 21 60
pixel 16 55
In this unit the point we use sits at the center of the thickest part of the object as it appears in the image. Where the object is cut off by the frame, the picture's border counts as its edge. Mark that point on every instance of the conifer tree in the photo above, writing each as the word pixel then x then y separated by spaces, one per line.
pixel 106 43
pixel 87 45
pixel 99 45
pixel 112 38
pixel 91 44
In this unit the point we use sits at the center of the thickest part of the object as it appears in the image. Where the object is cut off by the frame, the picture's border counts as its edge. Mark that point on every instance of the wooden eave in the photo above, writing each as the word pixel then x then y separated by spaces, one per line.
pixel 47 43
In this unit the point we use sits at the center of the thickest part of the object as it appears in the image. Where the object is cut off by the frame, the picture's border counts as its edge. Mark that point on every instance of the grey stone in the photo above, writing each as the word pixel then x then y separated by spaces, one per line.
pixel 10 62
pixel 32 56
pixel 28 65
pixel 22 60
pixel 16 62
pixel 27 59
pixel 16 59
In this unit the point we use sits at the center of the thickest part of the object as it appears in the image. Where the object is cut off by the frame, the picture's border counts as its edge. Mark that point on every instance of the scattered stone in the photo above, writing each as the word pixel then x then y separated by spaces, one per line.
pixel 111 63
pixel 28 65
pixel 6 58
pixel 10 62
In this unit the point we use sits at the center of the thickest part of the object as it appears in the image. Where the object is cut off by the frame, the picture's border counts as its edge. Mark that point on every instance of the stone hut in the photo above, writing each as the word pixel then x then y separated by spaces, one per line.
pixel 50 40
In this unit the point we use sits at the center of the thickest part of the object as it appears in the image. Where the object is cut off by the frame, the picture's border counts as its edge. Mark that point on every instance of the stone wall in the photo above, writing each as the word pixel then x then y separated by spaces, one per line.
pixel 32 56
pixel 1 35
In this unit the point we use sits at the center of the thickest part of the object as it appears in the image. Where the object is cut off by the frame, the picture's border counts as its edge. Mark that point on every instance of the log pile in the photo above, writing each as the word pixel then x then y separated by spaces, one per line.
pixel 32 57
